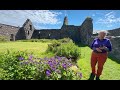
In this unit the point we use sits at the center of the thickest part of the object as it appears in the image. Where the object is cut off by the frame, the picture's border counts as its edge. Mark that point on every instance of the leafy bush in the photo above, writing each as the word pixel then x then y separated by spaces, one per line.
pixel 24 66
pixel 10 63
pixel 69 50
pixel 53 47
pixel 65 40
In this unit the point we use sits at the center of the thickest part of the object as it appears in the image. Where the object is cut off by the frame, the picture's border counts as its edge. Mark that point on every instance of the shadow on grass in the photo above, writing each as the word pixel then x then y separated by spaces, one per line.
pixel 114 58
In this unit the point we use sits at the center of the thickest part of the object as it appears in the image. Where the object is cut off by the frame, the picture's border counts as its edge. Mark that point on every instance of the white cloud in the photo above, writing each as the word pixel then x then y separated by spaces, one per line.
pixel 109 19
pixel 18 17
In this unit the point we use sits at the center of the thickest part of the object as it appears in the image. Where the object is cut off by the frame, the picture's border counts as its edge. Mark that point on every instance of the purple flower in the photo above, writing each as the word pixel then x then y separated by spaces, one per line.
pixel 48 73
pixel 30 57
pixel 21 58
pixel 80 75
pixel 58 57
pixel 54 62
pixel 52 58
pixel 49 62
pixel 51 65
pixel 53 68
pixel 69 64
pixel 64 66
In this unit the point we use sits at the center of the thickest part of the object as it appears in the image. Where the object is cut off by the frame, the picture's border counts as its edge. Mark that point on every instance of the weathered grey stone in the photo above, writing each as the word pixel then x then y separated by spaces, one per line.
pixel 27 31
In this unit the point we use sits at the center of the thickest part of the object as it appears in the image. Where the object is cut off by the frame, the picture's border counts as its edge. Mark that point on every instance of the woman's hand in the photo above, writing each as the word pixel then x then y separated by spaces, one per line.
pixel 105 48
pixel 102 47
pixel 98 49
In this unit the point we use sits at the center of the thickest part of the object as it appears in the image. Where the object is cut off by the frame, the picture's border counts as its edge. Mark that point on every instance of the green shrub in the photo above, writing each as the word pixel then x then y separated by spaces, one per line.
pixel 11 65
pixel 3 39
pixel 53 47
pixel 69 50
pixel 65 40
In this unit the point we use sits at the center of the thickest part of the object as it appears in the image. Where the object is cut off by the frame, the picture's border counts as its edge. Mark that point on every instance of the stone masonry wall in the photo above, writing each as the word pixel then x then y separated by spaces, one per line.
pixel 47 33
pixel 86 31
pixel 8 30
pixel 71 31
pixel 114 32
pixel 28 29
pixel 67 31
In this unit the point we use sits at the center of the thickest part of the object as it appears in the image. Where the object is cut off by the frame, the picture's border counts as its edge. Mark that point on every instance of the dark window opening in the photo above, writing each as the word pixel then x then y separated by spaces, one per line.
pixel 12 37
pixel 30 27
pixel 0 26
pixel 28 32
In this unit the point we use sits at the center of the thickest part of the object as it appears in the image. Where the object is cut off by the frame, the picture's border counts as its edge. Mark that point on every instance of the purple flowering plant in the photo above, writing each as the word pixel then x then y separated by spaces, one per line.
pixel 54 68
pixel 28 67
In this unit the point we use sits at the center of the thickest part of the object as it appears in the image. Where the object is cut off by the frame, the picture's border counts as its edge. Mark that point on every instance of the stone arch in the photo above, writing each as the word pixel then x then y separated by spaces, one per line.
pixel 12 37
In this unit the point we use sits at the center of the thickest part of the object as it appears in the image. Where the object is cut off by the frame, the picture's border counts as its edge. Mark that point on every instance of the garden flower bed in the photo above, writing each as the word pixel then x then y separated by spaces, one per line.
pixel 22 66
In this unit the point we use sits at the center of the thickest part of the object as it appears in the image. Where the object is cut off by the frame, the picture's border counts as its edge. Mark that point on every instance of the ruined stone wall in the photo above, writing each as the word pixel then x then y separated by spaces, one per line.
pixel 8 31
pixel 86 31
pixel 114 32
pixel 68 31
pixel 27 29
pixel 116 47
pixel 71 31
pixel 46 34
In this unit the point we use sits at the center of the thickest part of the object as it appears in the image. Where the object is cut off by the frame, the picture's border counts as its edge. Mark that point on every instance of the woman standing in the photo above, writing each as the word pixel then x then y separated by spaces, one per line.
pixel 100 46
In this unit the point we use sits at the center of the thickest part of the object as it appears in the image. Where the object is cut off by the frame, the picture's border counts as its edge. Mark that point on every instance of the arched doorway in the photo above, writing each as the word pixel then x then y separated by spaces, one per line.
pixel 12 37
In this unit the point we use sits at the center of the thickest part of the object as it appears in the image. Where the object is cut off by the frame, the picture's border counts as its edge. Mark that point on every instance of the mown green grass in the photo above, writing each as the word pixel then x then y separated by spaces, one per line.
pixel 38 48
pixel 111 69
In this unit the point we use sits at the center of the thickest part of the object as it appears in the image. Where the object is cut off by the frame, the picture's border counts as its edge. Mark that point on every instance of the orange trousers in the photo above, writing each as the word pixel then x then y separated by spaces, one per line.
pixel 98 59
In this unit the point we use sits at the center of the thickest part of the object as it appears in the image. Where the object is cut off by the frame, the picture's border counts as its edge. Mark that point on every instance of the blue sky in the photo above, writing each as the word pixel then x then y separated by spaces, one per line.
pixel 42 19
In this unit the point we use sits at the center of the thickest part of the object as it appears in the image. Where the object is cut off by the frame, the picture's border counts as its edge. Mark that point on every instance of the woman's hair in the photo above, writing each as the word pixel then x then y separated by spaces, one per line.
pixel 106 32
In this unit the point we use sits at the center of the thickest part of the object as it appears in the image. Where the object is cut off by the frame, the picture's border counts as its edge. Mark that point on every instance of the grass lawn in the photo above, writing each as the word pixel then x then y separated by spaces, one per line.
pixel 111 69
pixel 38 48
